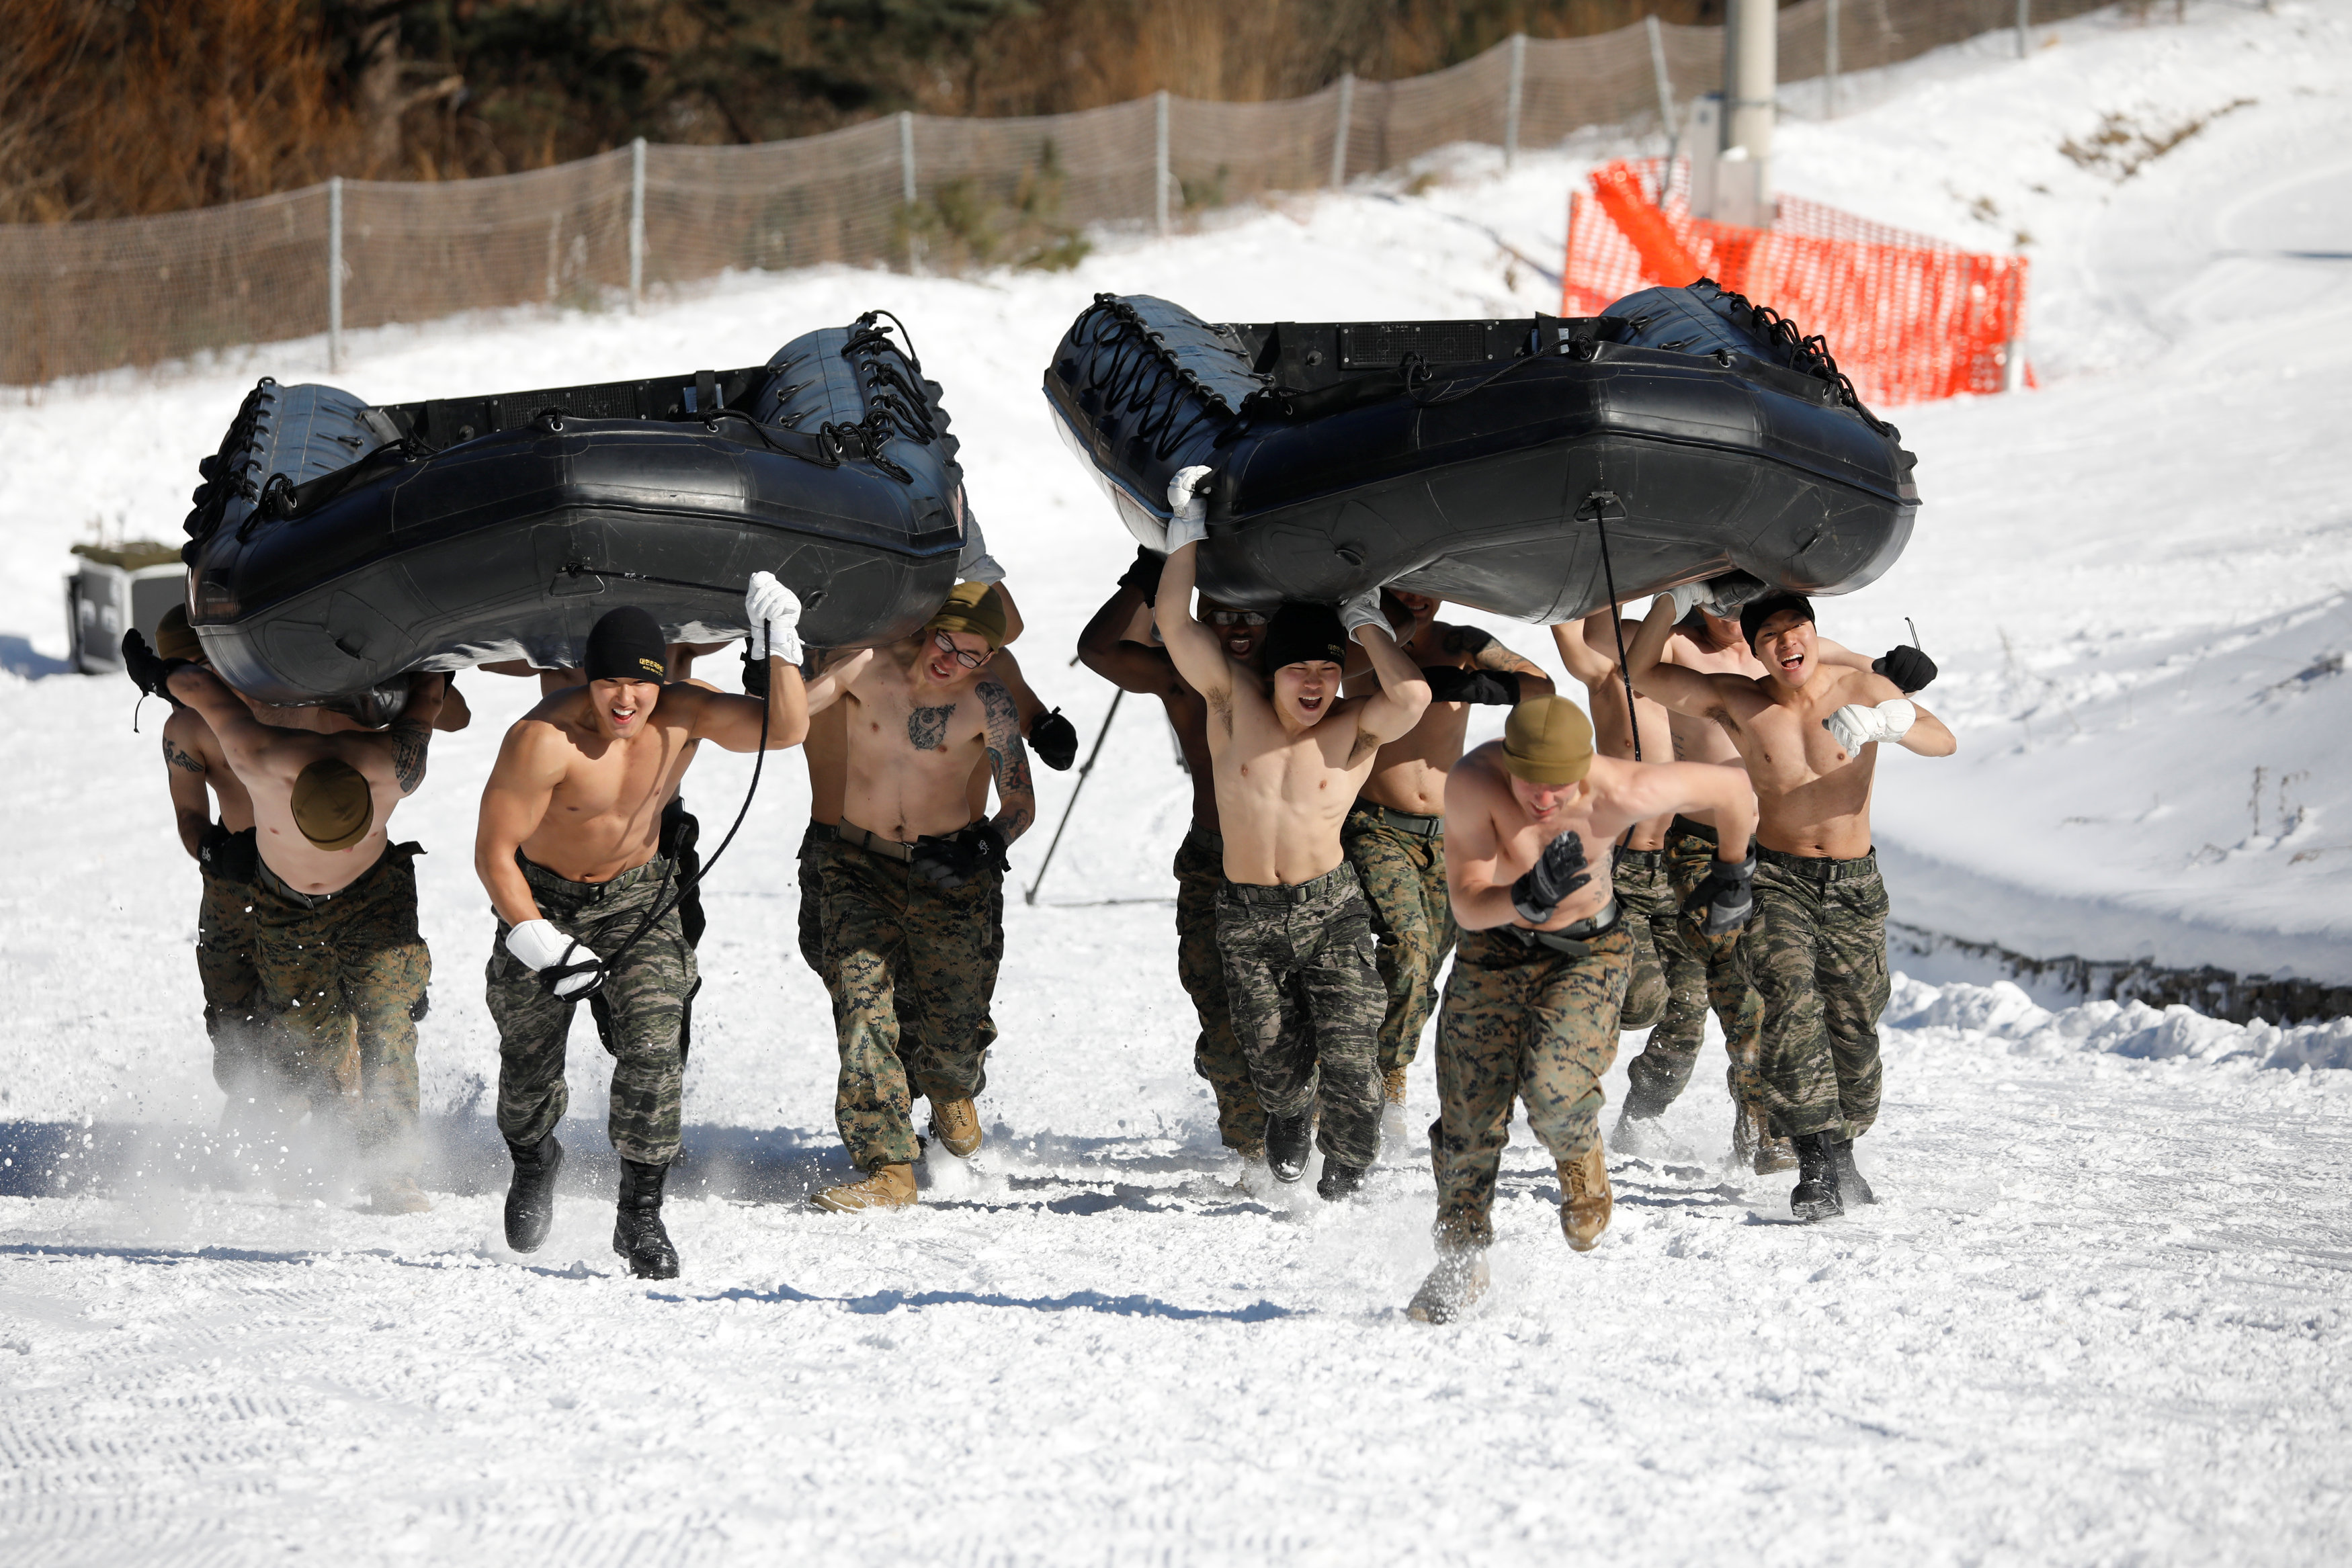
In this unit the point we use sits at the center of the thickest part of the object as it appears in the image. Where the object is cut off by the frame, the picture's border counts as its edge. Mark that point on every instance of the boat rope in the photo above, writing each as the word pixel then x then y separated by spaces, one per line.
pixel 1598 501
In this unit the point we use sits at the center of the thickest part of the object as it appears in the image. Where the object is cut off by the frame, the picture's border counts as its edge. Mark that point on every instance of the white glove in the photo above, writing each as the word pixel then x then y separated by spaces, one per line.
pixel 540 945
pixel 1364 611
pixel 1856 725
pixel 771 601
pixel 1188 513
pixel 1687 595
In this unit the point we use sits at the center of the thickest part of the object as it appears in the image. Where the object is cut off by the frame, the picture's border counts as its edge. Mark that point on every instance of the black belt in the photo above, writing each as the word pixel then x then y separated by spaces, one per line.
pixel 534 871
pixel 1418 824
pixel 1821 868
pixel 1213 843
pixel 1696 830
pixel 1641 859
pixel 873 844
pixel 1567 939
pixel 1295 892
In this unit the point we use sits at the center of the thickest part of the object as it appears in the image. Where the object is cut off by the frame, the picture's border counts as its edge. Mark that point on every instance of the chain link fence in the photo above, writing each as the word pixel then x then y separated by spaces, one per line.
pixel 910 190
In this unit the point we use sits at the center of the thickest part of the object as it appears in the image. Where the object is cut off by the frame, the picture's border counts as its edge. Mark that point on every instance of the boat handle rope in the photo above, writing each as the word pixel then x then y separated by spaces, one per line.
pixel 1599 500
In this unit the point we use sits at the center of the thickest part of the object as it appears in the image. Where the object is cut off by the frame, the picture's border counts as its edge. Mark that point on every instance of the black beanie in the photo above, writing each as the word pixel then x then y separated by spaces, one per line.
pixel 1300 633
pixel 626 646
pixel 1756 611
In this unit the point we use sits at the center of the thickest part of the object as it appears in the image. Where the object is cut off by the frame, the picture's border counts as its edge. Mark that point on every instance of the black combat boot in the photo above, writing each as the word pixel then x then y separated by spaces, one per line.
pixel 1816 1195
pixel 638 1234
pixel 530 1196
pixel 1287 1141
pixel 1339 1181
pixel 1851 1188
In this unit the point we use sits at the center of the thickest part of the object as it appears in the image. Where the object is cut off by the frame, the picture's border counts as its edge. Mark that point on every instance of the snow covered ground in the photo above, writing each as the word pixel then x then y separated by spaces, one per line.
pixel 2100 1317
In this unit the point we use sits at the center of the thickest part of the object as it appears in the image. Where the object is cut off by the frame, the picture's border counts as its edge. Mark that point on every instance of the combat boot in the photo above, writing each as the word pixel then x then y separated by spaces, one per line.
pixel 398 1195
pixel 638 1233
pixel 1644 1137
pixel 1339 1181
pixel 1816 1194
pixel 1753 1144
pixel 1288 1140
pixel 956 1124
pixel 1459 1280
pixel 530 1195
pixel 1851 1188
pixel 889 1187
pixel 1585 1201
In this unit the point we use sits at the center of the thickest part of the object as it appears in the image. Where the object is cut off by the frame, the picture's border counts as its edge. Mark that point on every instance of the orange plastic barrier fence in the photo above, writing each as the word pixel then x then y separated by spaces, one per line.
pixel 1908 318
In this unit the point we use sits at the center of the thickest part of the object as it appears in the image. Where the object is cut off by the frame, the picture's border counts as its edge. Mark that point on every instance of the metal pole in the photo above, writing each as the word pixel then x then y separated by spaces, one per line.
pixel 1754 40
pixel 1088 767
pixel 907 188
pixel 636 223
pixel 1512 101
pixel 335 273
pixel 1665 101
pixel 1830 61
pixel 1340 134
pixel 2025 20
pixel 1160 159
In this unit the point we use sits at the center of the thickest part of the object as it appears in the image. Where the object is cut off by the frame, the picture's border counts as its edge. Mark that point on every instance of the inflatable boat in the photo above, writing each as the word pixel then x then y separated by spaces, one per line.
pixel 337 546
pixel 1700 437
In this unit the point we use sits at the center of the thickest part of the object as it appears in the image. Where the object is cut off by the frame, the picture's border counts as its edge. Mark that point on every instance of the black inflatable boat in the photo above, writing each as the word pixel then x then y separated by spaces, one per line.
pixel 1472 460
pixel 338 546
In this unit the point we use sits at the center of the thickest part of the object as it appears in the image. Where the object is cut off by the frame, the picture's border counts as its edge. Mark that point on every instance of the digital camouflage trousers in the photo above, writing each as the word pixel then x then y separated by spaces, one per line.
pixel 640 1013
pixel 911 968
pixel 1645 902
pixel 1306 1004
pixel 1701 972
pixel 1403 877
pixel 812 874
pixel 1817 954
pixel 1527 1024
pixel 341 985
pixel 232 984
pixel 1217 1054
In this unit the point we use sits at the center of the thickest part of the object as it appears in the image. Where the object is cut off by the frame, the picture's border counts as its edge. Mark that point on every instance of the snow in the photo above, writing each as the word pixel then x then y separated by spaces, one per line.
pixel 2098 1316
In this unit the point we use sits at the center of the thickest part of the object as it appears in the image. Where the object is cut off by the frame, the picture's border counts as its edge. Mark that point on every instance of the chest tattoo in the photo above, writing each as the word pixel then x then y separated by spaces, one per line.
pixel 928 727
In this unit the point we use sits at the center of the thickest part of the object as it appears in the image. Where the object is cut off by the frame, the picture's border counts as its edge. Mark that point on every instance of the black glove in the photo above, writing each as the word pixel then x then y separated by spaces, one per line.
pixel 1054 739
pixel 1448 684
pixel 1558 872
pixel 1727 894
pixel 231 857
pixel 148 671
pixel 1144 575
pixel 1908 667
pixel 954 858
pixel 755 674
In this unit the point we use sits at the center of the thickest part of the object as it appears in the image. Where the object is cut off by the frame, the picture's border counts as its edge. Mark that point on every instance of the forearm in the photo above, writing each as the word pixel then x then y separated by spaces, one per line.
pixel 1649 645
pixel 1197 655
pixel 1405 694
pixel 1585 664
pixel 502 878
pixel 788 705
pixel 192 826
pixel 1927 736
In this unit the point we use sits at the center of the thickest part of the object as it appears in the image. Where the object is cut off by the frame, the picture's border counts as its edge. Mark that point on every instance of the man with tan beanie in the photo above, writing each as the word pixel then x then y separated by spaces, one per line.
pixel 1531 1009
pixel 341 967
pixel 910 880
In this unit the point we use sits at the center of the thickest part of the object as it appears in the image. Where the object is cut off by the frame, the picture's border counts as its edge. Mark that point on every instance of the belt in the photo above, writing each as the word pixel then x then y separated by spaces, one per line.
pixel 1414 822
pixel 1639 860
pixel 277 884
pixel 873 844
pixel 1821 868
pixel 531 869
pixel 1696 830
pixel 1566 940
pixel 1298 892
pixel 820 833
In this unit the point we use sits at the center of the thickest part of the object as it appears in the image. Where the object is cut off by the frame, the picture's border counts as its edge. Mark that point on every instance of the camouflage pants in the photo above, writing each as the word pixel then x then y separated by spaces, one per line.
pixel 225 967
pixel 1701 971
pixel 1817 954
pixel 1645 902
pixel 343 981
pixel 911 969
pixel 1217 1054
pixel 1403 878
pixel 1306 1004
pixel 812 865
pixel 1527 1023
pixel 641 1012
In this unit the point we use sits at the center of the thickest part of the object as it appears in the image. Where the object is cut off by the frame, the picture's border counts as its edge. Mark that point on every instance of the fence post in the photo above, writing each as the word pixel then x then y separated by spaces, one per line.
pixel 1511 102
pixel 2025 20
pixel 335 274
pixel 1666 102
pixel 1159 160
pixel 636 223
pixel 1340 134
pixel 1830 61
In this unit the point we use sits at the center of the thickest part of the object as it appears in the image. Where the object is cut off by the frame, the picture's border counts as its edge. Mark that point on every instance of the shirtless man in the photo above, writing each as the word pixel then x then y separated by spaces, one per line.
pixel 1531 1007
pixel 1288 753
pixel 341 969
pixel 1395 835
pixel 1111 646
pixel 1807 732
pixel 910 880
pixel 569 849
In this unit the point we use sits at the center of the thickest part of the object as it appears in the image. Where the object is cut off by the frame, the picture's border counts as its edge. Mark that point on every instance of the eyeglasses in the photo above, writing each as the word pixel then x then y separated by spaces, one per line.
pixel 1235 618
pixel 947 645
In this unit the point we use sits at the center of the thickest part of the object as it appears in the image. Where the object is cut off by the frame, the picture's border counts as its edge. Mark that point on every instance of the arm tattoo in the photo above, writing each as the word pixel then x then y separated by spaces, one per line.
pixel 1008 758
pixel 409 739
pixel 179 759
pixel 1460 639
pixel 928 727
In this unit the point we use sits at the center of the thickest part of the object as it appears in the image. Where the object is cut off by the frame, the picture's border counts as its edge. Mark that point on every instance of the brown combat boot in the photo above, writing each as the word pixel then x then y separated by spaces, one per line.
pixel 1393 1087
pixel 956 1124
pixel 1753 1144
pixel 1584 1197
pixel 889 1187
pixel 1457 1282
